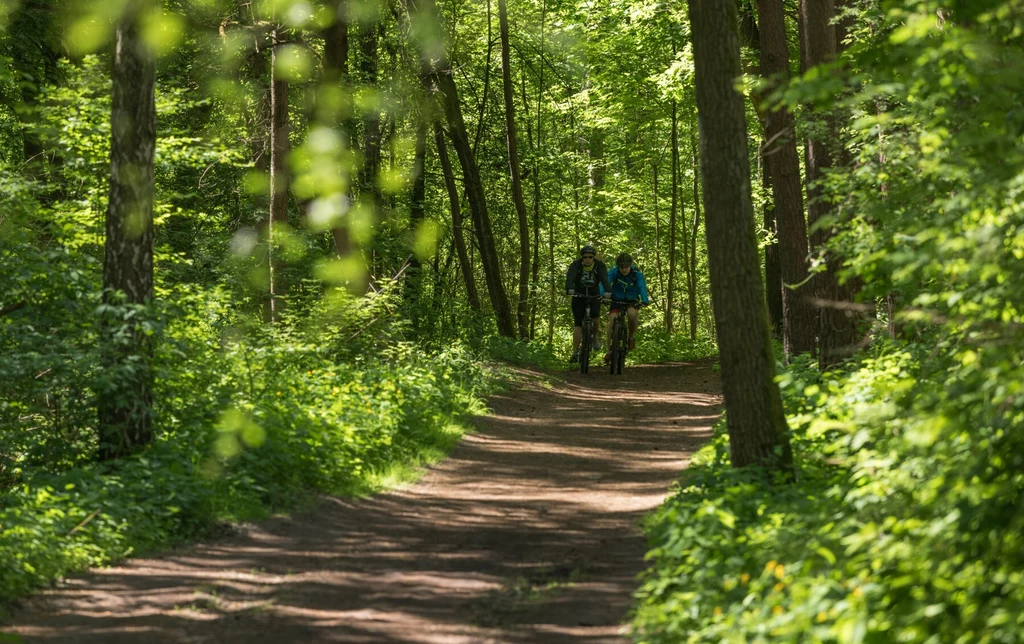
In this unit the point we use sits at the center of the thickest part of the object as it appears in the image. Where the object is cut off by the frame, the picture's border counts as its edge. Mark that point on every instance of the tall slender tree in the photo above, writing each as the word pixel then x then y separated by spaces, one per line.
pixel 458 236
pixel 279 178
pixel 523 308
pixel 787 194
pixel 124 406
pixel 672 220
pixel 692 264
pixel 757 426
pixel 427 30
pixel 336 72
pixel 837 318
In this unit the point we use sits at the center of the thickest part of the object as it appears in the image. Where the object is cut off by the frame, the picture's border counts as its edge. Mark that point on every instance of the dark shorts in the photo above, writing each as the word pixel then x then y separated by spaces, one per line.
pixel 579 307
pixel 621 306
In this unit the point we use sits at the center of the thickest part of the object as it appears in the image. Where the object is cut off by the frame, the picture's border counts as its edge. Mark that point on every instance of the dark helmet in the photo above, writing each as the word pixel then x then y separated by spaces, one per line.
pixel 624 260
pixel 588 249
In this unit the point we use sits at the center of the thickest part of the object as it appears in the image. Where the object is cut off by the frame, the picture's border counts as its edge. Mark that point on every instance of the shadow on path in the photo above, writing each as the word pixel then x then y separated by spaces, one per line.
pixel 527 533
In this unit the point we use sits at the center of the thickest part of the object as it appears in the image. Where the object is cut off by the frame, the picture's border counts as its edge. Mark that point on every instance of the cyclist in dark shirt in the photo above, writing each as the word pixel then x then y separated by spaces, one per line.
pixel 586 276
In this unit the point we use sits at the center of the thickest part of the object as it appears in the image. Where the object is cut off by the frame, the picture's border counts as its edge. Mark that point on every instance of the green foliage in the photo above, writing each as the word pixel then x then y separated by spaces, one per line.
pixel 904 524
pixel 246 424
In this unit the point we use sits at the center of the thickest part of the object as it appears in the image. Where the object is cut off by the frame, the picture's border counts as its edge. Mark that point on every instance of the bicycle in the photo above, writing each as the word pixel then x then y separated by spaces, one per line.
pixel 620 337
pixel 586 342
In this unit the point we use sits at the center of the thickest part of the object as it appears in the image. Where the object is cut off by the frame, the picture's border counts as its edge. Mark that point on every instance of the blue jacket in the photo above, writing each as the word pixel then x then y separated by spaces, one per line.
pixel 628 287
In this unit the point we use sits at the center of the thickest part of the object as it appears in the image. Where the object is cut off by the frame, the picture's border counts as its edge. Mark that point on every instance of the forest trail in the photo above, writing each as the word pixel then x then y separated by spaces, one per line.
pixel 526 533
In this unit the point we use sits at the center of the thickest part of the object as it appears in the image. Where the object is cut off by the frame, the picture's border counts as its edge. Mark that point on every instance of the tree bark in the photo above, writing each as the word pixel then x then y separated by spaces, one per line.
pixel 787 194
pixel 596 175
pixel 417 212
pixel 457 233
pixel 523 308
pixel 657 228
pixel 692 267
pixel 535 278
pixel 477 203
pixel 125 406
pixel 670 295
pixel 336 54
pixel 758 434
pixel 425 13
pixel 838 335
pixel 772 264
pixel 279 178
pixel 369 191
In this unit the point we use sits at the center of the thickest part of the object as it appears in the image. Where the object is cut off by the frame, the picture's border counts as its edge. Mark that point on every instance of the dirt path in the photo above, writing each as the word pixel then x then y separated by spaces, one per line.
pixel 527 533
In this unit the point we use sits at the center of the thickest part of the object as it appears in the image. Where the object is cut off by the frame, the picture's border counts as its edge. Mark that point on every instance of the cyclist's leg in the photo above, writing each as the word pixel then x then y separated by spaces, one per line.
pixel 612 314
pixel 595 315
pixel 632 314
pixel 577 320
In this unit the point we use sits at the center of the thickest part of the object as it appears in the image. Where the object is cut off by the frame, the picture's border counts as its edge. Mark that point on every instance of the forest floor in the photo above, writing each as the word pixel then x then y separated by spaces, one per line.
pixel 528 532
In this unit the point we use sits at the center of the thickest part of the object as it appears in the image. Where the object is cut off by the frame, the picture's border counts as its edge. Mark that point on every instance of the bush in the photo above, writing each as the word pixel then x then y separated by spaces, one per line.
pixel 904 524
pixel 246 422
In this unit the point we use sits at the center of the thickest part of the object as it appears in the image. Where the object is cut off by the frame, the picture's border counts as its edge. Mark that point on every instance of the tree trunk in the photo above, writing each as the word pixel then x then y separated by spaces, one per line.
pixel 369 190
pixel 692 267
pixel 457 233
pixel 425 12
pixel 535 278
pixel 523 308
pixel 758 434
pixel 772 264
pixel 837 321
pixel 595 149
pixel 684 235
pixel 487 82
pixel 657 229
pixel 278 178
pixel 477 203
pixel 417 198
pixel 336 50
pixel 670 295
pixel 787 194
pixel 125 405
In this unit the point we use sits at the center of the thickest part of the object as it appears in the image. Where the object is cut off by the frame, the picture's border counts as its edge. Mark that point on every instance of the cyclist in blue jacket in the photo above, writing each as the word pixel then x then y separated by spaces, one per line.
pixel 628 286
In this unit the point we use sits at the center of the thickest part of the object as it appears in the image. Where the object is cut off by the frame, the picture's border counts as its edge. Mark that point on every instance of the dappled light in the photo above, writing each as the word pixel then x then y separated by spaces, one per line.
pixel 526 533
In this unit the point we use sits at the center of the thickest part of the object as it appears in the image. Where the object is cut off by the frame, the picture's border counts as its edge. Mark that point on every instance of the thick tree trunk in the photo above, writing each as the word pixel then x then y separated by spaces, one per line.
pixel 457 233
pixel 670 295
pixel 838 335
pixel 523 308
pixel 279 179
pixel 125 406
pixel 787 194
pixel 758 434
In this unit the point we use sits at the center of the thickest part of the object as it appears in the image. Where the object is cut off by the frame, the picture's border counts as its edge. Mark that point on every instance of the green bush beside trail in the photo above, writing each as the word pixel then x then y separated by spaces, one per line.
pixel 905 523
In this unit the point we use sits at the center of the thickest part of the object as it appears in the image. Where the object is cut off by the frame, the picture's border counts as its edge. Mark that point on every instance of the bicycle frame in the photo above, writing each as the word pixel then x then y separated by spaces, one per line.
pixel 620 336
pixel 587 327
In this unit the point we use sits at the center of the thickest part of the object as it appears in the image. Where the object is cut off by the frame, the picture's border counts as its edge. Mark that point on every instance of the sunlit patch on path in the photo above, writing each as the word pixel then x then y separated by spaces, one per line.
pixel 527 533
